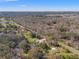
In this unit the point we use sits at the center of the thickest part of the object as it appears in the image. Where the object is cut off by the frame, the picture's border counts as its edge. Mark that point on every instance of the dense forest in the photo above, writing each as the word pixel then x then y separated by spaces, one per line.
pixel 39 35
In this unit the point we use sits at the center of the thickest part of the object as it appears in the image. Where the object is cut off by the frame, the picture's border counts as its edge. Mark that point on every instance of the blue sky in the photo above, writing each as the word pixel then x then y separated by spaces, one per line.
pixel 39 5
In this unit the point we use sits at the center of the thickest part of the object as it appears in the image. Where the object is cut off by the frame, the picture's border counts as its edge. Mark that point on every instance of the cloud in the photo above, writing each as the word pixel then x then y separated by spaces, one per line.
pixel 11 0
pixel 22 5
pixel 8 0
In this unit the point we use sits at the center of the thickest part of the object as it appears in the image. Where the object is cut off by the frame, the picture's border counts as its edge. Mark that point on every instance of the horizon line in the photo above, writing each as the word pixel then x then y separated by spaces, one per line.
pixel 41 11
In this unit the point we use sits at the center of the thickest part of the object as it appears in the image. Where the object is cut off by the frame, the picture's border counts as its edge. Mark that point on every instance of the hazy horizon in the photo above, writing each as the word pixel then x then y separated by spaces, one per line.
pixel 39 5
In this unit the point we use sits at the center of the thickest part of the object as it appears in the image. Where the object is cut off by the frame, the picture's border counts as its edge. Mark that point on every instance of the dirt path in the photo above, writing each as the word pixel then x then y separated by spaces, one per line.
pixel 72 50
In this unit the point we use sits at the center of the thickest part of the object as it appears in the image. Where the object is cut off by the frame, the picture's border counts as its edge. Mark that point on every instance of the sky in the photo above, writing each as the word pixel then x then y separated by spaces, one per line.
pixel 39 5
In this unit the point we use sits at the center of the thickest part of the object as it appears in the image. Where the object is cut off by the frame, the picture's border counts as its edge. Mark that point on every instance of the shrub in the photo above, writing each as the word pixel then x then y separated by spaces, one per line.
pixel 35 53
